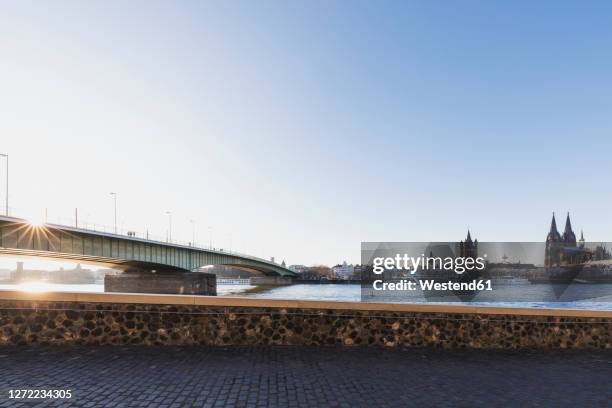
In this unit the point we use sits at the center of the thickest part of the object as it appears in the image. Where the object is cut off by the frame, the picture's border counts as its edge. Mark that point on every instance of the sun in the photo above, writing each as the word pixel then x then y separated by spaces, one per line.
pixel 35 223
pixel 34 219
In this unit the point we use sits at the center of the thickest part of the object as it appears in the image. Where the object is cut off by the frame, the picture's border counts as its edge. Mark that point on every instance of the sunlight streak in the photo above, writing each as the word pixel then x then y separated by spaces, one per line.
pixel 35 287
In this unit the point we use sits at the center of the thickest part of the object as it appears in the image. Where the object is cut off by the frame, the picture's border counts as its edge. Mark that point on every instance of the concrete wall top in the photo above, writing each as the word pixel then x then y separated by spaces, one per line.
pixel 298 304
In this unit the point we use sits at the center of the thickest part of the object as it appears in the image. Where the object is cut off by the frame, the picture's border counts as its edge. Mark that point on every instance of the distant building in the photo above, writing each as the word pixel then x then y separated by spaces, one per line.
pixel 76 275
pixel 563 249
pixel 601 253
pixel 467 248
pixel 343 272
pixel 320 272
pixel 298 268
pixel 358 272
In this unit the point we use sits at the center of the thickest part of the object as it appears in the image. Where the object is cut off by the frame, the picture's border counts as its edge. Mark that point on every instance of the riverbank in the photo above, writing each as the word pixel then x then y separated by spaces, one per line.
pixel 119 319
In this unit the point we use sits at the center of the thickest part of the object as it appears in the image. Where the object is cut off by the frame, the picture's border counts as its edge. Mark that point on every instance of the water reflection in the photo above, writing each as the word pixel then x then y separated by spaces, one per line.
pixel 29 275
pixel 41 287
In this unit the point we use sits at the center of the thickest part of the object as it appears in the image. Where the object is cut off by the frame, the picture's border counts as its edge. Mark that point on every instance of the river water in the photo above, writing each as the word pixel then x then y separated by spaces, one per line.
pixel 581 296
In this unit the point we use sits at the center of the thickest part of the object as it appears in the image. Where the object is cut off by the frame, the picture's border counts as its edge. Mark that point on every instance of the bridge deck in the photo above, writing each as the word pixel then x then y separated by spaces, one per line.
pixel 18 237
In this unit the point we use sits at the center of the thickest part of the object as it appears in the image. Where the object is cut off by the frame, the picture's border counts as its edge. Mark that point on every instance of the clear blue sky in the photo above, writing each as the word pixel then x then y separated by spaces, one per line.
pixel 304 128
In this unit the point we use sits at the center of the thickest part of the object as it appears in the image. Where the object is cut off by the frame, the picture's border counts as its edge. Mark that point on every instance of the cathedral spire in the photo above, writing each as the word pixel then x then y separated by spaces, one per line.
pixel 553 225
pixel 568 235
pixel 553 234
pixel 568 225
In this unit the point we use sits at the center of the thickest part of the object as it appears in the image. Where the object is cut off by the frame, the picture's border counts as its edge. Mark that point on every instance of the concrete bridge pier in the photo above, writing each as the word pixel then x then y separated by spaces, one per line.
pixel 174 283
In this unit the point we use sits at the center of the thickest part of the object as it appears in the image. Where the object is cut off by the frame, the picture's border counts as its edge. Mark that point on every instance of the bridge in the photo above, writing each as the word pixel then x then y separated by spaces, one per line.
pixel 148 258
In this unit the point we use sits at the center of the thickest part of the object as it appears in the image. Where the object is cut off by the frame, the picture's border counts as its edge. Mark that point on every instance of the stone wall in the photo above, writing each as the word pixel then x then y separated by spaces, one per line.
pixel 239 323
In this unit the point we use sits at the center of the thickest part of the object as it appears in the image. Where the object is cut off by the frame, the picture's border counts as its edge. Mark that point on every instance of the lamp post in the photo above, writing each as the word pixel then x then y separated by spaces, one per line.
pixel 210 237
pixel 192 232
pixel 114 195
pixel 169 226
pixel 6 210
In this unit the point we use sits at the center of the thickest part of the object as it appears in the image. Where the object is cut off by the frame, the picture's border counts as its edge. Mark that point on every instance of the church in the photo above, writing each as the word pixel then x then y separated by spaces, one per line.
pixel 467 248
pixel 562 250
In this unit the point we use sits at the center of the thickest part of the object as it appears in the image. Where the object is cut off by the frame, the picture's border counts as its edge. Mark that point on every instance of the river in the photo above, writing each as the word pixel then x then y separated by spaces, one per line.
pixel 581 296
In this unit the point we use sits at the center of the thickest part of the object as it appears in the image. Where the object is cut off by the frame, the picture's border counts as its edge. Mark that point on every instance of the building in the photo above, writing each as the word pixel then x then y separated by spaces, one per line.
pixel 358 272
pixel 562 250
pixel 343 271
pixel 298 268
pixel 601 253
pixel 319 272
pixel 467 248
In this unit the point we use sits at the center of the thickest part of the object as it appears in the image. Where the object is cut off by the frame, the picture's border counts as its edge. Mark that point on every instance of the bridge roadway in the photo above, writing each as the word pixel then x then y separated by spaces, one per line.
pixel 21 238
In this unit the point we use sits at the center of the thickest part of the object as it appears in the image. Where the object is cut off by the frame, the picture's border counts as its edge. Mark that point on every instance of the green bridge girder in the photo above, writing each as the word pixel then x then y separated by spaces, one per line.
pixel 20 238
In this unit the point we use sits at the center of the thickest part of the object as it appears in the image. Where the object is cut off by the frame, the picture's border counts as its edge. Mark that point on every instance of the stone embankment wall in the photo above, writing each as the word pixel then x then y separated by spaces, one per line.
pixel 196 320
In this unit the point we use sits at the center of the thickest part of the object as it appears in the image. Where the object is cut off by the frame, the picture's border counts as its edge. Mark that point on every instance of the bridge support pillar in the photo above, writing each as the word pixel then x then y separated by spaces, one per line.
pixel 179 283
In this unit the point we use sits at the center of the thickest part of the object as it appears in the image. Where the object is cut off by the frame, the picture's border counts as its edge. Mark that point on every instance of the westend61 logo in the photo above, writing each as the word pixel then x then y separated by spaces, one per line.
pixel 411 264
pixel 426 267
pixel 460 267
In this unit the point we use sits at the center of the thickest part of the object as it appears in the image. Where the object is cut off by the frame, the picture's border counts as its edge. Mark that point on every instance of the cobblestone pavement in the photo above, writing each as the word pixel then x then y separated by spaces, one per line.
pixel 305 377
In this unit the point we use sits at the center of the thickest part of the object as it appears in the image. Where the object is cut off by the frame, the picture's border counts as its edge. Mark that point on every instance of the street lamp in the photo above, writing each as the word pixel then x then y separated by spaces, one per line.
pixel 6 212
pixel 192 232
pixel 210 237
pixel 169 226
pixel 115 199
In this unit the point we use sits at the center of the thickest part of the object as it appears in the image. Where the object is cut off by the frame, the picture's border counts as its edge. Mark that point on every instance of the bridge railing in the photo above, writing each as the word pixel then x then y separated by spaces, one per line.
pixel 85 225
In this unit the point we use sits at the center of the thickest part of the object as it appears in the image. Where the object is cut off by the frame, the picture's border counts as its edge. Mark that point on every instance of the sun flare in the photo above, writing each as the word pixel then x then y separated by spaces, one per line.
pixel 35 223
pixel 36 287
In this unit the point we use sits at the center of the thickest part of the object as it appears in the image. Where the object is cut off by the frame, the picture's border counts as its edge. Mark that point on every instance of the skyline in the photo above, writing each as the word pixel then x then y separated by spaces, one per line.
pixel 304 129
pixel 33 262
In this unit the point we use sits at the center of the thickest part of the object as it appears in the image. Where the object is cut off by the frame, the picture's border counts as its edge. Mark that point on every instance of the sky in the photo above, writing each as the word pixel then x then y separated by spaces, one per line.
pixel 299 129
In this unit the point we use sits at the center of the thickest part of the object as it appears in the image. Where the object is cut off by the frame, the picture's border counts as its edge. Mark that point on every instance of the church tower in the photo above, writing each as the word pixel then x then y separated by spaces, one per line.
pixel 569 238
pixel 468 248
pixel 554 245
pixel 553 234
